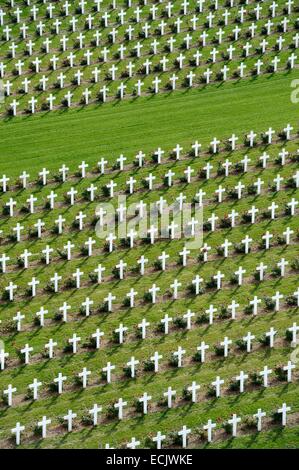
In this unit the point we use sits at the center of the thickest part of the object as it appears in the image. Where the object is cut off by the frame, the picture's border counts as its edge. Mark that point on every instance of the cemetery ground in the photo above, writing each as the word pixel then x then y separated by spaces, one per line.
pixel 259 187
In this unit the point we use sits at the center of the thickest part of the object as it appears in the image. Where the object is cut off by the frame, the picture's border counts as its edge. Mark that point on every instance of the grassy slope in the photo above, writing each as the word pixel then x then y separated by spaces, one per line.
pixel 146 123
pixel 71 137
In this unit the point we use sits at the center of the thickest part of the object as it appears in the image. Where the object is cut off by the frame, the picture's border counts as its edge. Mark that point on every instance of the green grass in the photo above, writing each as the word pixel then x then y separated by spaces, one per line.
pixel 126 127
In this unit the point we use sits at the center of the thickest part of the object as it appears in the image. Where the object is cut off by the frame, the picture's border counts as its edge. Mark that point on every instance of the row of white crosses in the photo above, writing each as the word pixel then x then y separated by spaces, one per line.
pixel 121 267
pixel 143 326
pixel 122 163
pixel 224 249
pixel 177 356
pixel 67 99
pixel 168 178
pixel 81 36
pixel 233 308
pixel 121 209
pixel 78 77
pixel 54 281
pixel 55 62
pixel 120 16
pixel 251 215
pixel 221 194
pixel 183 433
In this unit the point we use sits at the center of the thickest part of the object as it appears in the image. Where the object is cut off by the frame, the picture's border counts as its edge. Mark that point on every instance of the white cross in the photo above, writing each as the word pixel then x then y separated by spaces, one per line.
pixel 142 261
pixel 179 354
pixel 155 358
pixel 26 351
pixel 292 205
pixel 120 406
pixel 264 373
pixel 184 253
pixel 69 418
pixel 131 295
pixel 10 289
pixel 169 394
pixel 86 305
pixel 153 291
pixel 89 243
pixel 3 356
pixel 293 329
pixel 132 363
pixel 55 279
pixel 239 187
pixel 259 415
pixel 109 299
pixel 84 376
pixel 63 170
pixel 99 270
pixel 9 392
pixel 59 223
pixel 3 260
pixel 121 268
pixel 246 241
pixel 39 225
pixel 74 340
pixel 283 411
pixel 97 336
pixel 282 265
pixel 255 302
pixel 261 268
pixel 241 378
pixel 158 439
pixel 209 427
pixel 212 220
pixel 217 384
pixel 288 369
pixel 17 430
pixel 143 325
pixel 18 318
pixel 253 211
pixel 41 314
pixel 120 331
pixel 193 389
pixel 35 386
pixel 166 320
pixel 226 343
pixel 248 338
pixel 287 130
pixel 31 200
pixel 24 177
pixel 59 380
pixel 277 297
pixel 64 309
pixel 50 345
pixel 239 273
pixel 133 443
pixel 233 307
pixel 218 278
pixel 184 434
pixel 234 422
pixel 210 311
pixel 202 350
pixel 43 424
pixel 219 193
pixel 95 410
pixel 107 370
pixel 144 400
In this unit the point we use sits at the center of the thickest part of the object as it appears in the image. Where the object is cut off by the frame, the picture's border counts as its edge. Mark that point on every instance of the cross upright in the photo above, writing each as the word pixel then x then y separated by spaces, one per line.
pixel 155 358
